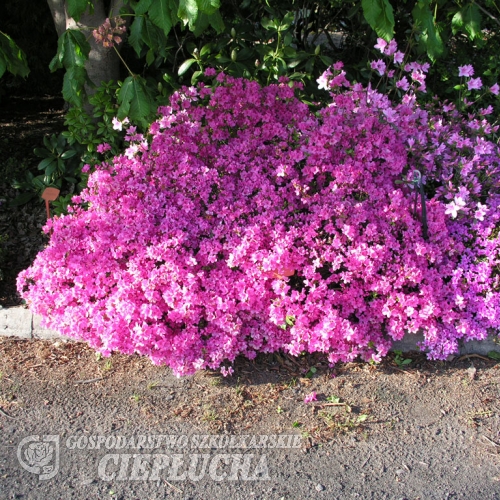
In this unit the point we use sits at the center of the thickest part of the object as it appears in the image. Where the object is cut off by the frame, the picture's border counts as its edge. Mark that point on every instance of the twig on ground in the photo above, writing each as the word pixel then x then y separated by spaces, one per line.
pixel 490 441
pixel 173 487
pixel 466 356
pixel 89 381
pixel 5 414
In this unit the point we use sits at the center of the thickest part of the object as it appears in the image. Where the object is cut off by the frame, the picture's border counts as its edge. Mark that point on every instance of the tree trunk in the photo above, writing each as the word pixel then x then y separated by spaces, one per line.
pixel 103 64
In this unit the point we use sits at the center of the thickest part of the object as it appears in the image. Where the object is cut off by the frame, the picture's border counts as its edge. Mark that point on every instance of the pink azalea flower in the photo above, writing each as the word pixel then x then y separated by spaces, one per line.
pixel 102 148
pixel 495 89
pixel 310 397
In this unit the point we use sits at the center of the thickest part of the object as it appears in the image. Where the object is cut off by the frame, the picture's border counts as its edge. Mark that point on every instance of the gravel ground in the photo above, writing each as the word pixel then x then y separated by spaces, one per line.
pixel 430 431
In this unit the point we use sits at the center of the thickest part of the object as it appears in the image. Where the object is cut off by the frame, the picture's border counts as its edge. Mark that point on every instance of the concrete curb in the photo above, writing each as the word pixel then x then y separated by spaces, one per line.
pixel 21 323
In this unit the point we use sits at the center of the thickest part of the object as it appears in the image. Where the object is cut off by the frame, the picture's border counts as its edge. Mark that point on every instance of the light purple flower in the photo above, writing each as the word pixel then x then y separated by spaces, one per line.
pixel 452 208
pixel 466 70
pixel 381 44
pixel 474 84
pixel 403 84
pixel 399 57
pixel 378 66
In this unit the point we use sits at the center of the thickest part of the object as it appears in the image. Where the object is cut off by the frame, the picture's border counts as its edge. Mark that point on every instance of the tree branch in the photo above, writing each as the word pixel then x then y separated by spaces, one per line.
pixel 489 14
pixel 58 15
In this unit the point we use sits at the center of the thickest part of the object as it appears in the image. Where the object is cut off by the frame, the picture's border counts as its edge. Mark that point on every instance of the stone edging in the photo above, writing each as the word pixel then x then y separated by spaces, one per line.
pixel 21 323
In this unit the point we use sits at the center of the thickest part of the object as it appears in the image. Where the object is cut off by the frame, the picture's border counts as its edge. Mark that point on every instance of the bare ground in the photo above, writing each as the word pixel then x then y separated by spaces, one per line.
pixel 428 431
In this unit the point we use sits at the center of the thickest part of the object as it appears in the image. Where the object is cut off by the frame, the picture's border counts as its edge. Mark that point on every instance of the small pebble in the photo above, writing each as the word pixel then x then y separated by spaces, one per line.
pixel 320 487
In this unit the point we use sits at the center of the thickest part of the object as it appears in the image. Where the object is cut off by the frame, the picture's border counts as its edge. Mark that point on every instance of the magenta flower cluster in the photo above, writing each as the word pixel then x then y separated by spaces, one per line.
pixel 246 223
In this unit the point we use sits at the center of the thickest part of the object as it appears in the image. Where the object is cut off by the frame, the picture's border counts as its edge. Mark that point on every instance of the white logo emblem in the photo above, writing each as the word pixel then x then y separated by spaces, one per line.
pixel 39 455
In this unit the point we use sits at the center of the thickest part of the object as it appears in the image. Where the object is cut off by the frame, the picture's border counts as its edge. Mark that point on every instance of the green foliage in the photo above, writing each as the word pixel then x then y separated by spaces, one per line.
pixel 59 167
pixel 72 55
pixel 136 101
pixel 77 7
pixel 380 16
pixel 429 35
pixel 55 163
pixel 467 20
pixel 12 58
pixel 400 360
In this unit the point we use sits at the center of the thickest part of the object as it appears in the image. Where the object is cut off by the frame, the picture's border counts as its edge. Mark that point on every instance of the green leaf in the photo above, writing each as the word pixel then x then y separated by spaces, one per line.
pixel 380 16
pixel 188 12
pixel 467 20
pixel 68 154
pixel 76 8
pixel 72 50
pixel 206 49
pixel 430 37
pixel 287 21
pixel 208 6
pixel 494 355
pixel 50 169
pixel 185 66
pixel 216 22
pixel 42 153
pixel 153 37
pixel 22 199
pixel 201 24
pixel 125 97
pixel 45 163
pixel 135 100
pixel 196 75
pixel 150 57
pixel 135 37
pixel 333 399
pixel 12 58
pixel 73 85
pixel 57 60
pixel 159 13
pixel 142 7
pixel 268 24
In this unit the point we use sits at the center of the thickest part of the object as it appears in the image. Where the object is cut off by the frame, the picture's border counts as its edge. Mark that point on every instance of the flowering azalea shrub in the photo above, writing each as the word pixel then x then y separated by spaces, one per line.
pixel 245 223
